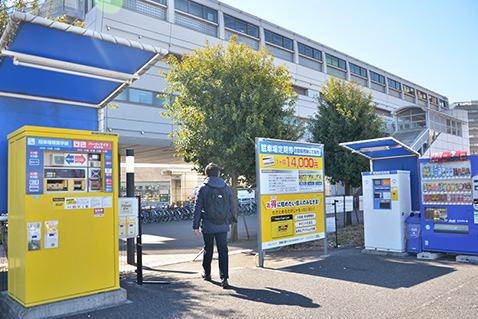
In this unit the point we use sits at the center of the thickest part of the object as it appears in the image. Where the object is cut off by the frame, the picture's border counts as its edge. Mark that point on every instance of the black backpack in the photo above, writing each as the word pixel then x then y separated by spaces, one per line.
pixel 217 206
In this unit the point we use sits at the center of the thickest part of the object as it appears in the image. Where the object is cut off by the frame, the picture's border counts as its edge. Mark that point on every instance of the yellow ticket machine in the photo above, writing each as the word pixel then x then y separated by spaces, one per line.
pixel 63 221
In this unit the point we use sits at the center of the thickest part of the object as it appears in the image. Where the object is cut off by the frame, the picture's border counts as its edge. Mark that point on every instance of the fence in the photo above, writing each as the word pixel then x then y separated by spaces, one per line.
pixel 3 254
pixel 343 204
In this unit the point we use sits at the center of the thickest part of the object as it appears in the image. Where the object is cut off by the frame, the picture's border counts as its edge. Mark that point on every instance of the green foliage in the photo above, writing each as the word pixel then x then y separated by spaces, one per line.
pixel 227 97
pixel 33 7
pixel 345 113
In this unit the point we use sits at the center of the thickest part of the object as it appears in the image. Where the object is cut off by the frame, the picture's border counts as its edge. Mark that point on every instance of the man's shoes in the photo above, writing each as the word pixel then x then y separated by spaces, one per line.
pixel 205 277
pixel 224 283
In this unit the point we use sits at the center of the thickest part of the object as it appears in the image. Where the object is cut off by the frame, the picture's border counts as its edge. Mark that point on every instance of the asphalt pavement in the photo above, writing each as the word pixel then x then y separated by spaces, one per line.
pixel 295 284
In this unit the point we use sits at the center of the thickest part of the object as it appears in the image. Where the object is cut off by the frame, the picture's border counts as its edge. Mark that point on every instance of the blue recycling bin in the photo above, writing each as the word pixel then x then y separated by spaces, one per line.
pixel 414 233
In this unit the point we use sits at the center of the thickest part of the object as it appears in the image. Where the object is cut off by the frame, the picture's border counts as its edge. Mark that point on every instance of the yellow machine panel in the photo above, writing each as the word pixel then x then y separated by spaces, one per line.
pixel 63 220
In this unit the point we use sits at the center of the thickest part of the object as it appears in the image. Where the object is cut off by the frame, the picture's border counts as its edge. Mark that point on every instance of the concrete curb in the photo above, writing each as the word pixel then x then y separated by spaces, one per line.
pixel 11 309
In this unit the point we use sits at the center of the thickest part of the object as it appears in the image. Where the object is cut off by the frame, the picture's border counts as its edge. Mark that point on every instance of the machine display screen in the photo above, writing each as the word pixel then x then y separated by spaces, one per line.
pixel 436 214
pixel 64 165
pixel 382 194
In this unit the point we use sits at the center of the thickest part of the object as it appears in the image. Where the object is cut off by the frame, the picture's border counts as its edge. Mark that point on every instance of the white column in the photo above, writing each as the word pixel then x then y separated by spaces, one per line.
pixel 262 37
pixel 170 11
pixel 221 31
pixel 295 58
pixel 347 76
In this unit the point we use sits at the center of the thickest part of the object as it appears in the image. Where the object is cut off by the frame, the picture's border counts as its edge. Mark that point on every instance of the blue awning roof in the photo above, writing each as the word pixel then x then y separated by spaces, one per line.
pixel 46 60
pixel 380 148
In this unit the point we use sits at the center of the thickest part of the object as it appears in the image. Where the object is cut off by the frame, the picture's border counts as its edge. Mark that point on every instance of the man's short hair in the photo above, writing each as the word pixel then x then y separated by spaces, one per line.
pixel 212 170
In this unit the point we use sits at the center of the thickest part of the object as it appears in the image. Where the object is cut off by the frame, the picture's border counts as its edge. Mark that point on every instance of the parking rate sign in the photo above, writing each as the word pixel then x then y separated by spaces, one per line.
pixel 291 192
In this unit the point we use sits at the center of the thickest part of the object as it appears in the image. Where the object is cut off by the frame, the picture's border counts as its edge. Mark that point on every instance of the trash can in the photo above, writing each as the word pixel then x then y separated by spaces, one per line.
pixel 414 233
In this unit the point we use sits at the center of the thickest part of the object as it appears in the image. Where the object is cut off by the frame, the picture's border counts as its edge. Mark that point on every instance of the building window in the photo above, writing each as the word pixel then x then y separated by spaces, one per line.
pixel 333 61
pixel 313 93
pixel 408 90
pixel 443 104
pixel 299 90
pixel 147 8
pixel 196 9
pixel 123 96
pixel 159 99
pixel 145 97
pixel 377 78
pixel 422 95
pixel 411 119
pixel 277 39
pixel 433 99
pixel 454 127
pixel 394 84
pixel 140 96
pixel 241 26
pixel 355 69
pixel 310 52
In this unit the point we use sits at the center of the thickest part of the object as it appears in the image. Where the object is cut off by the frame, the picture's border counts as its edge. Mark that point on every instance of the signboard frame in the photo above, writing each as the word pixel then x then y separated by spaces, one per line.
pixel 290 177
pixel 128 217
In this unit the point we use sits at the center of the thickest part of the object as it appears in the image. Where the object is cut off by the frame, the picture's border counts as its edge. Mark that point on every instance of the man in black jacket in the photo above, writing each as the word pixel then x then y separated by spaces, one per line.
pixel 210 230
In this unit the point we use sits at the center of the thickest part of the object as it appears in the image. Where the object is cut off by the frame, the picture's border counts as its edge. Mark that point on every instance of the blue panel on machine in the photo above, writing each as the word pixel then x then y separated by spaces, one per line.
pixel 449 191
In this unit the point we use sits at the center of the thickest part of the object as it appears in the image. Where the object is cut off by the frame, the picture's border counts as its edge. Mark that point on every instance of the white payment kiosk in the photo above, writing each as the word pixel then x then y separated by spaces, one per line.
pixel 386 205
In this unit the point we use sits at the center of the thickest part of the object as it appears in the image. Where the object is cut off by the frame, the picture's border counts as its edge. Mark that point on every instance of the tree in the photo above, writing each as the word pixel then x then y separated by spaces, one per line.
pixel 345 113
pixel 227 97
pixel 33 7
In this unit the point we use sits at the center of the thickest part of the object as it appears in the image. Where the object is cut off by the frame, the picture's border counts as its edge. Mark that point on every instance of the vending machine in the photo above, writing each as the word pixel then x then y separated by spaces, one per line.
pixel 386 205
pixel 449 195
pixel 63 220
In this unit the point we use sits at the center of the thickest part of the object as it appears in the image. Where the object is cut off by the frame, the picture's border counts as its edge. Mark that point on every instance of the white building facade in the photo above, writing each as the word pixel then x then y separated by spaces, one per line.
pixel 183 25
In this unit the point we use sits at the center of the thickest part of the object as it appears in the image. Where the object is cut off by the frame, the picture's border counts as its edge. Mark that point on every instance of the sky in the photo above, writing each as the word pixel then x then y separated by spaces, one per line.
pixel 432 43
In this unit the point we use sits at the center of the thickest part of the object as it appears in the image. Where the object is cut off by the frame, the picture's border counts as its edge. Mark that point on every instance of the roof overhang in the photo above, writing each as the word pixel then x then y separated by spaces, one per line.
pixel 45 60
pixel 380 148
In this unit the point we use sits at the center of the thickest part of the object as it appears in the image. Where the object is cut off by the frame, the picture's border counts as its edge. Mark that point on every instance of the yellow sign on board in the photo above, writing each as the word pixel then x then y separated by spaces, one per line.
pixel 394 193
pixel 291 179
pixel 290 162
pixel 291 218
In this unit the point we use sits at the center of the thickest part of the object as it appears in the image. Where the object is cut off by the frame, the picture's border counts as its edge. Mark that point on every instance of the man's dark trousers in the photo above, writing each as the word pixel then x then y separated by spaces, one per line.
pixel 221 244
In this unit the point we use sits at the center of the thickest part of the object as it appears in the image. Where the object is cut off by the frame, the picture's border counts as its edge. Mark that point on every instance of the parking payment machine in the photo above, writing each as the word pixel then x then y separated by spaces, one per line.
pixel 63 221
pixel 386 205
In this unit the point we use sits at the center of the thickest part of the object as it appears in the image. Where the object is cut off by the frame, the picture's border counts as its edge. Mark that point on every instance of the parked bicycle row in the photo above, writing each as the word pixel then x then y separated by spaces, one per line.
pixel 247 209
pixel 161 215
pixel 164 214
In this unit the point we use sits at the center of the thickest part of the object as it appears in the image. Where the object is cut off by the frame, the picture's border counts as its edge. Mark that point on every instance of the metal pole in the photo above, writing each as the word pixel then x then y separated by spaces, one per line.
pixel 245 225
pixel 260 252
pixel 139 246
pixel 130 247
pixel 336 233
pixel 345 223
pixel 326 243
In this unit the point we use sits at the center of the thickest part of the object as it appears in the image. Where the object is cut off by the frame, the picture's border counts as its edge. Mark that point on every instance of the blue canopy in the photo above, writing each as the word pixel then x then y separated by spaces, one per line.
pixel 45 60
pixel 380 148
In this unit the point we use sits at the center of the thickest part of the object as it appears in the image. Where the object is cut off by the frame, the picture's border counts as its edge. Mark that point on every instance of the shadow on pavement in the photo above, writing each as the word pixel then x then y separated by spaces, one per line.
pixel 273 296
pixel 170 271
pixel 381 271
